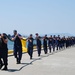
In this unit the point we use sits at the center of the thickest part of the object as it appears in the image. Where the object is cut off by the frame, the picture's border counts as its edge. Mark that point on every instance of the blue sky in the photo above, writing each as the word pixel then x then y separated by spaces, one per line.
pixel 42 16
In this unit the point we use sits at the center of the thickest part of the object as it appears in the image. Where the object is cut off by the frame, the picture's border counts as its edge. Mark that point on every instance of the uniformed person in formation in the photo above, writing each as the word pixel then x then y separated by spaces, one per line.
pixel 54 42
pixel 50 43
pixel 30 46
pixel 38 44
pixel 3 52
pixel 58 42
pixel 45 44
pixel 63 42
pixel 17 46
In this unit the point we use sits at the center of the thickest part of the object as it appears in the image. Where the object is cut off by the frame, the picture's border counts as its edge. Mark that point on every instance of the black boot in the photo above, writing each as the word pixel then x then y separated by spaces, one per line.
pixel 5 68
pixel 38 55
pixel 1 65
pixel 50 51
pixel 19 62
pixel 30 57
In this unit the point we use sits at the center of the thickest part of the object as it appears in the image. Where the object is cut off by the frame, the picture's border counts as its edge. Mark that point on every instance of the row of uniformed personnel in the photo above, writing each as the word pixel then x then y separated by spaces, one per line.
pixel 51 42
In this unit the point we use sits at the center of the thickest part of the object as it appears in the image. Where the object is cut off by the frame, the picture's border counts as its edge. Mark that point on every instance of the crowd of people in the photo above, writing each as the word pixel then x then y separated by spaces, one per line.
pixel 51 43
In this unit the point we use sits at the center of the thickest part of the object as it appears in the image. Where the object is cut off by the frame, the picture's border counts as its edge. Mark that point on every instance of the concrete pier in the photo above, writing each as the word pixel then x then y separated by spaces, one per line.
pixel 57 63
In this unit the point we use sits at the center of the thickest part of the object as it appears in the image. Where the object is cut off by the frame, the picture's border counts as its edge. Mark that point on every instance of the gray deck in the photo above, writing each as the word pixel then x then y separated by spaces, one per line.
pixel 58 63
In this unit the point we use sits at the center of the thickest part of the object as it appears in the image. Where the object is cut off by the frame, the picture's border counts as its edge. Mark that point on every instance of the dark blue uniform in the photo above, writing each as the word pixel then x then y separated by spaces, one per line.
pixel 53 43
pixel 45 45
pixel 58 43
pixel 38 41
pixel 30 47
pixel 3 54
pixel 17 49
pixel 50 43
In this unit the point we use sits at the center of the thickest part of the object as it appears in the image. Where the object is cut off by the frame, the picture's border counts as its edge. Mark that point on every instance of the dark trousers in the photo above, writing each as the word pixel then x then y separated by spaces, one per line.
pixel 39 50
pixel 30 52
pixel 50 47
pixel 53 47
pixel 57 46
pixel 45 49
pixel 4 57
pixel 18 53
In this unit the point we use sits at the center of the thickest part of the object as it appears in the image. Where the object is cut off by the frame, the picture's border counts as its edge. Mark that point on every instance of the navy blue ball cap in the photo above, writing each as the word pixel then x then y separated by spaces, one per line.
pixel 36 34
pixel 46 35
pixel 31 35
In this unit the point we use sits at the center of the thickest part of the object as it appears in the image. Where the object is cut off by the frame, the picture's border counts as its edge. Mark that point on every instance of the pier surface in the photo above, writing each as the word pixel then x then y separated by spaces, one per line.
pixel 57 63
